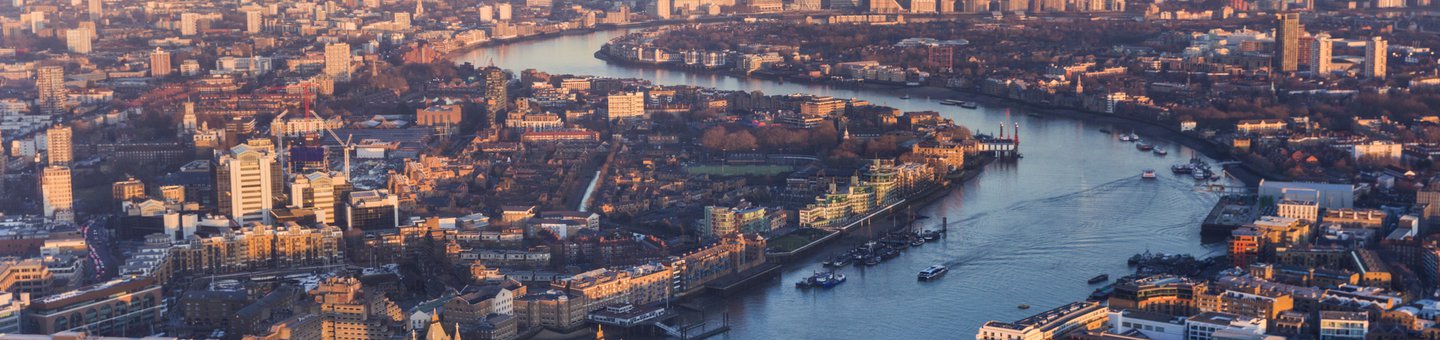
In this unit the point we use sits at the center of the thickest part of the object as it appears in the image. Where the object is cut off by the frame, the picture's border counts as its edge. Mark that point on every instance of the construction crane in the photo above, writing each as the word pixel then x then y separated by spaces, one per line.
pixel 345 143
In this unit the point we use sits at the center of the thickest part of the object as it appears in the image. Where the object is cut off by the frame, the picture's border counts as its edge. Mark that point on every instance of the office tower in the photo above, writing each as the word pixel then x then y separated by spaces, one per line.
pixel 77 40
pixel 487 13
pixel 337 61
pixel 502 11
pixel 1320 54
pixel 1375 54
pixel 159 63
pixel 189 23
pixel 50 86
pixel 96 9
pixel 372 210
pixel 57 193
pixel 495 97
pixel 246 181
pixel 659 9
pixel 320 192
pixel 58 141
pixel 1287 42
pixel 254 20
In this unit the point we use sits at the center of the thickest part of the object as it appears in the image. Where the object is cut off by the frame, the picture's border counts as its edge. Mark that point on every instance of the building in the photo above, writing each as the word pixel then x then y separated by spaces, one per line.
pixel 1320 54
pixel 127 189
pixel 625 105
pixel 551 309
pixel 96 9
pixel 246 181
pixel 438 115
pixel 160 66
pixel 130 306
pixel 1375 58
pixel 1340 325
pixel 743 218
pixel 59 144
pixel 50 84
pixel 59 196
pixel 637 285
pixel 1330 196
pixel 11 305
pixel 1287 42
pixel 1172 295
pixel 78 40
pixel 320 192
pixel 27 276
pixel 1050 324
pixel 1217 325
pixel 1300 209
pixel 349 312
pixel 1155 326
pixel 189 24
pixel 496 96
pixel 1377 151
pixel 337 61
pixel 255 21
pixel 372 210
pixel 659 8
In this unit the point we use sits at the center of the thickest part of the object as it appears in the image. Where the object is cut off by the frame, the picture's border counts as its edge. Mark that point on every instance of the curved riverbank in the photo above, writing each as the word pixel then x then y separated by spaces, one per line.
pixel 1145 127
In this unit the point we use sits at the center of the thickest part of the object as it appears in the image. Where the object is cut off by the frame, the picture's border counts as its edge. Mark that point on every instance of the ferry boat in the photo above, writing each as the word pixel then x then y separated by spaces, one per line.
pixel 1147 174
pixel 934 272
pixel 969 105
pixel 821 280
pixel 1161 152
pixel 1100 278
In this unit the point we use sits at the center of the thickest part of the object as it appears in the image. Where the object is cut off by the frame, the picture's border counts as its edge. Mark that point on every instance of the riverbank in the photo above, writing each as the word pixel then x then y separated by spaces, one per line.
pixel 1145 127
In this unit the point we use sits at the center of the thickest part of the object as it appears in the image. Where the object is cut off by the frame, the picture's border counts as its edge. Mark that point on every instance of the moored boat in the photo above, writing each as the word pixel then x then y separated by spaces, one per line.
pixel 934 272
pixel 1140 145
pixel 969 105
pixel 1161 152
pixel 1100 278
pixel 951 102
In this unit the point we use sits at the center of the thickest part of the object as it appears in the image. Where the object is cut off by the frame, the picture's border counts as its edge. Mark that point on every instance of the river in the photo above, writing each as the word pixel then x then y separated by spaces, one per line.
pixel 1032 231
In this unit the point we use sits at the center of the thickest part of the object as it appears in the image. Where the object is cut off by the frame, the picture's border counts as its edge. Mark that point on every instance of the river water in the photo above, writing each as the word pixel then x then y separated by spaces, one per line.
pixel 1032 231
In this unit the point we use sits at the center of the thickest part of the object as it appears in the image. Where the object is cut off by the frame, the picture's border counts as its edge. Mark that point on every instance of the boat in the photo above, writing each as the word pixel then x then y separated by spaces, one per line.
pixel 916 242
pixel 1181 168
pixel 905 96
pixel 1147 174
pixel 872 260
pixel 821 280
pixel 934 272
pixel 1104 130
pixel 1140 145
pixel 1023 306
pixel 951 102
pixel 1161 152
pixel 969 105
pixel 931 235
pixel 1200 175
pixel 1099 278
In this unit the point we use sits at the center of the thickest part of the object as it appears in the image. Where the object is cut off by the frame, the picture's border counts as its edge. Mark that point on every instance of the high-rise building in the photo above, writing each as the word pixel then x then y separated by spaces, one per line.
pixel 659 8
pixel 96 9
pixel 1287 42
pixel 503 11
pixel 57 192
pixel 246 181
pixel 59 145
pixel 1320 54
pixel 254 20
pixel 337 61
pixel 496 97
pixel 625 105
pixel 77 40
pixel 372 210
pixel 1375 54
pixel 189 23
pixel 159 63
pixel 50 85
pixel 320 192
